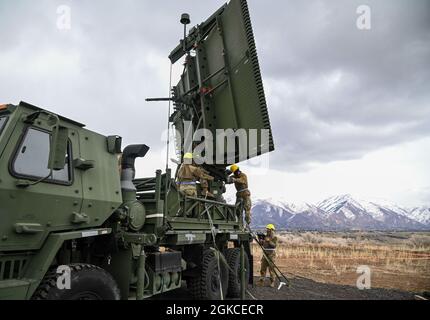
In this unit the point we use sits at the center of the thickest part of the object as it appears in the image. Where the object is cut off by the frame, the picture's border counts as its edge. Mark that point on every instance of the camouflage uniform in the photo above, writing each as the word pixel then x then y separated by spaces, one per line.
pixel 269 245
pixel 243 194
pixel 188 174
pixel 204 184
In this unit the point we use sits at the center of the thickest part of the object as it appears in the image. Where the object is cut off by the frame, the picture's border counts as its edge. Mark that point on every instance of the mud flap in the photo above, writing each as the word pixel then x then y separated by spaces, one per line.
pixel 120 267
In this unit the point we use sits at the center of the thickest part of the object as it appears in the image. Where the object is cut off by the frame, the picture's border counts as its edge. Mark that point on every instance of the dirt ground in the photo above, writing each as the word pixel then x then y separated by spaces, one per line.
pixel 396 261
pixel 306 289
pixel 323 266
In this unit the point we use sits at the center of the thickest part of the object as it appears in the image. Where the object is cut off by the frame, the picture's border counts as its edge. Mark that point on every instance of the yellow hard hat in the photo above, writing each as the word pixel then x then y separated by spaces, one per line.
pixel 270 227
pixel 188 156
pixel 234 168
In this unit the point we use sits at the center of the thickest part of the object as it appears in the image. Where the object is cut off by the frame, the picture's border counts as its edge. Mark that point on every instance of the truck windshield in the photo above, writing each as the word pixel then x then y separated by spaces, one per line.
pixel 2 123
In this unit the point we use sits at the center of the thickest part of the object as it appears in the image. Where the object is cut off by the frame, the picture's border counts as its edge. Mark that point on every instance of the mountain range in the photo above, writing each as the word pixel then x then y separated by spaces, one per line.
pixel 339 213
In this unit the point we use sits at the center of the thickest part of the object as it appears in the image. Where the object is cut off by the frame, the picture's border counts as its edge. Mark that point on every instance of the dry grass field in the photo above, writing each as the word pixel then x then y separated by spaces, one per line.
pixel 397 260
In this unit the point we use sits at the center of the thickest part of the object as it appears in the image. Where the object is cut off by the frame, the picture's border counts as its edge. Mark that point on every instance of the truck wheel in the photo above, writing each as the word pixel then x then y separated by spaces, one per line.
pixel 233 259
pixel 206 286
pixel 87 282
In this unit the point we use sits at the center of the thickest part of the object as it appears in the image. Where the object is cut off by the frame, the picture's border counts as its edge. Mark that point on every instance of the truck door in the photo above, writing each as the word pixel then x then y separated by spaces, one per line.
pixel 32 204
pixel 100 179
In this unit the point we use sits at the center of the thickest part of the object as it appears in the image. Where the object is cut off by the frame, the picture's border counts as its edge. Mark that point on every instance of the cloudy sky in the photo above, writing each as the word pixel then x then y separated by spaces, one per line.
pixel 350 108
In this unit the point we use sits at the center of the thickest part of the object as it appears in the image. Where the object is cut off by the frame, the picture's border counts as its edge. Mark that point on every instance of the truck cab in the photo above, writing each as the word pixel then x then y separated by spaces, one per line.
pixel 36 201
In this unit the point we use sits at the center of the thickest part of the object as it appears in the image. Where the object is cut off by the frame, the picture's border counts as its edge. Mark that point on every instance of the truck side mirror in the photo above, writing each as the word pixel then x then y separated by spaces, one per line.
pixel 59 139
pixel 58 150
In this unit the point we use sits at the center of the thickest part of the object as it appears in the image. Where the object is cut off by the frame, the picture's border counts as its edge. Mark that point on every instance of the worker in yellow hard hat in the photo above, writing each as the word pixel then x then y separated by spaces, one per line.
pixel 269 244
pixel 270 227
pixel 189 174
pixel 243 194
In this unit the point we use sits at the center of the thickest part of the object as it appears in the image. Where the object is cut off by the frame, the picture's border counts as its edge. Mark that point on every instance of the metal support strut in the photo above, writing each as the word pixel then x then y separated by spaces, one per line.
pixel 141 274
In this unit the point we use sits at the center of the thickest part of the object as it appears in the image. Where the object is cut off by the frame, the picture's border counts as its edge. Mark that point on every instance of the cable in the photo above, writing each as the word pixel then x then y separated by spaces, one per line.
pixel 168 117
pixel 250 294
pixel 167 189
pixel 220 254
pixel 215 247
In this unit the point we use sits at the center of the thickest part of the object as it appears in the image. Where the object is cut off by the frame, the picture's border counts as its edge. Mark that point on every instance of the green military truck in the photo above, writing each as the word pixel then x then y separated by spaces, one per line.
pixel 75 222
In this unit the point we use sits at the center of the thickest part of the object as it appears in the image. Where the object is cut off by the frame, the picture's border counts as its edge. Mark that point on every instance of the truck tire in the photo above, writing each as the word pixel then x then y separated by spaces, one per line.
pixel 87 282
pixel 233 259
pixel 206 286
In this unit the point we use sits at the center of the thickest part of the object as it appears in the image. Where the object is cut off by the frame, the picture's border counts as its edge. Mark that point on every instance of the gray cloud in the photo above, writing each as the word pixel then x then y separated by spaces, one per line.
pixel 334 92
pixel 99 72
pixel 337 93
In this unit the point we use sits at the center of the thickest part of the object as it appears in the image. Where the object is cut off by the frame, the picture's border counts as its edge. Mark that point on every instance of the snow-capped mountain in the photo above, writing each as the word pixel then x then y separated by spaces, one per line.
pixel 340 213
pixel 421 214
